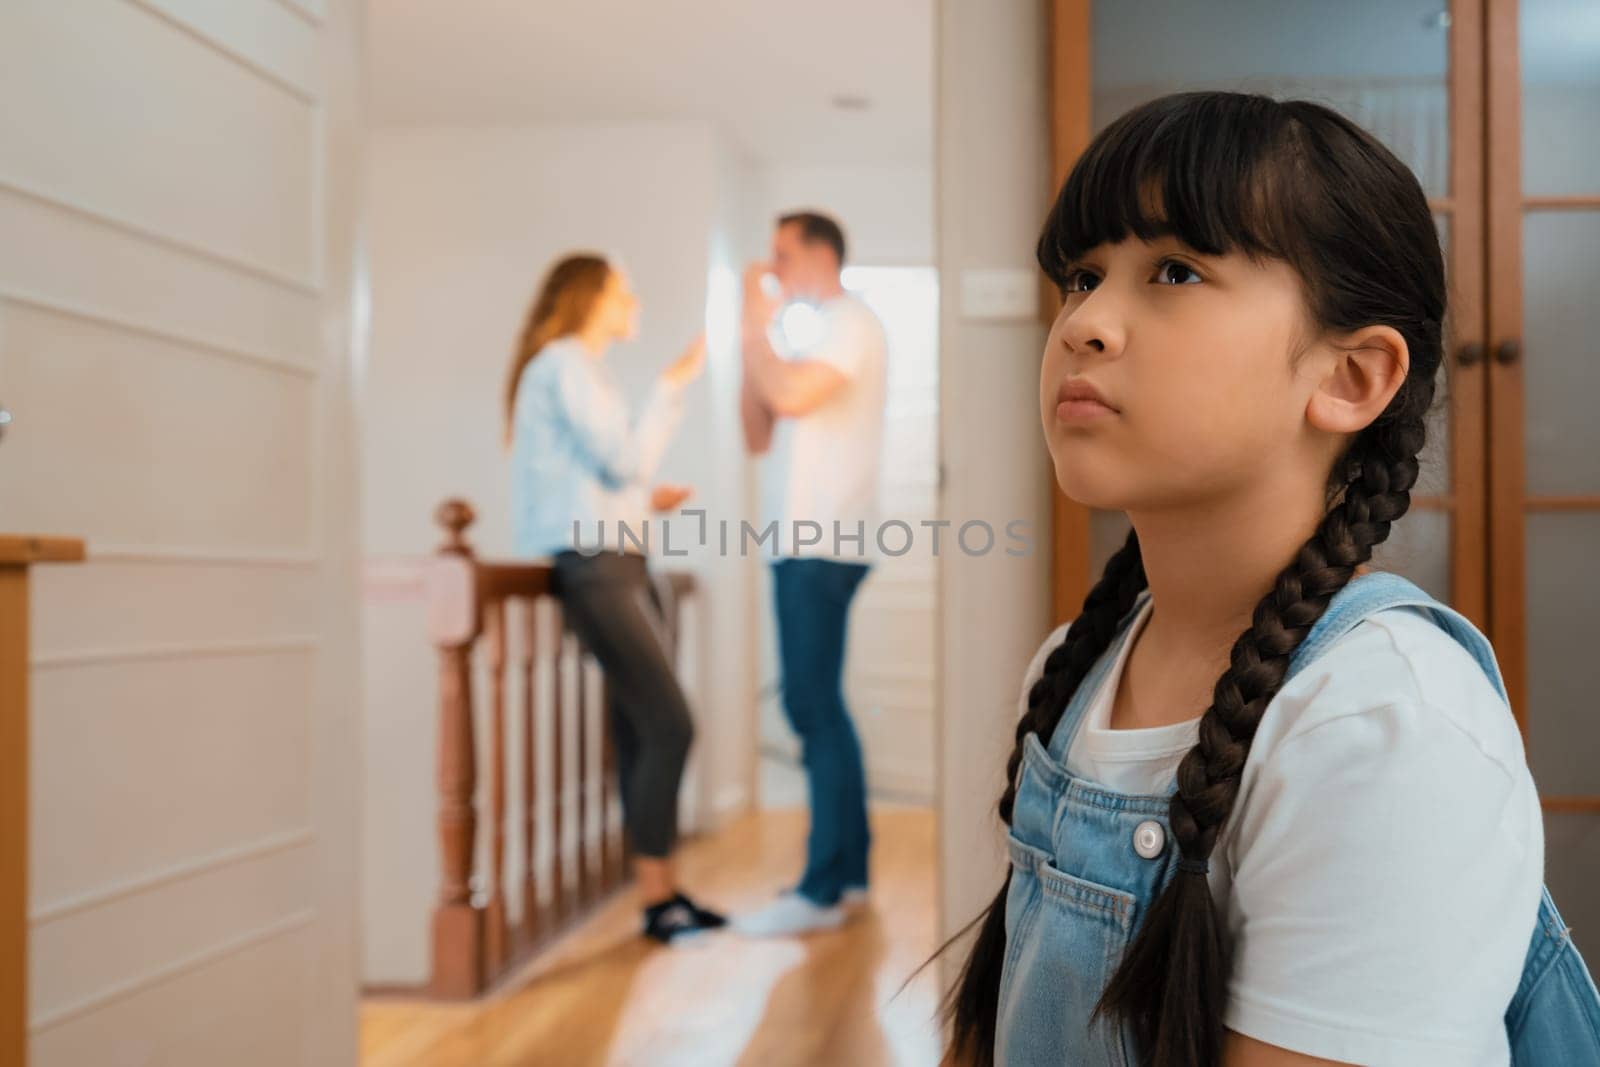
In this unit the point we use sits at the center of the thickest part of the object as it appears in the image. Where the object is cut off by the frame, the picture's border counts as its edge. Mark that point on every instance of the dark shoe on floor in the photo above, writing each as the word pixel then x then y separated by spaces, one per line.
pixel 708 920
pixel 673 920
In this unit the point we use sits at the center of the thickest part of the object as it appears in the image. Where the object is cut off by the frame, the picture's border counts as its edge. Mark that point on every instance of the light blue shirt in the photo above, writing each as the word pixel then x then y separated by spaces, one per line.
pixel 577 455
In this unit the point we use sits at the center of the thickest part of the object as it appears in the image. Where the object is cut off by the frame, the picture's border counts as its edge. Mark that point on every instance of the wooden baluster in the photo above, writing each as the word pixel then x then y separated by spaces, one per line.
pixel 497 948
pixel 608 796
pixel 584 879
pixel 558 775
pixel 530 791
pixel 453 621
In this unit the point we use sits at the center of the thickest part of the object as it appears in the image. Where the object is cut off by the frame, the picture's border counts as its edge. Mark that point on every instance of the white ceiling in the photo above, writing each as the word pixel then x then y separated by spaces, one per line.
pixel 767 70
pixel 764 70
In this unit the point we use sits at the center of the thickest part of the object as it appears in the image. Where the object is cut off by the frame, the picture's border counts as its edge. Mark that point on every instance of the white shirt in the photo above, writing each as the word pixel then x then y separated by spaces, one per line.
pixel 1380 875
pixel 824 465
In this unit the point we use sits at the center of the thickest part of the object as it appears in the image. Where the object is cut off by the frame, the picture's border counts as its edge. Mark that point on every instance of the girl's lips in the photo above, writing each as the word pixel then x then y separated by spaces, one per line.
pixel 1078 400
pixel 1082 410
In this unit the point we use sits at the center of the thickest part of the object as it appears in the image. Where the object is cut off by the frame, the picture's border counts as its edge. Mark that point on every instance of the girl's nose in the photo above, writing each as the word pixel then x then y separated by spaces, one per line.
pixel 1092 328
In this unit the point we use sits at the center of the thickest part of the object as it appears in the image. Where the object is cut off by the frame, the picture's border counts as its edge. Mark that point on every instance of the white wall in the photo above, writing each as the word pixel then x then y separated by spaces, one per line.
pixel 993 168
pixel 728 785
pixel 464 222
pixel 178 224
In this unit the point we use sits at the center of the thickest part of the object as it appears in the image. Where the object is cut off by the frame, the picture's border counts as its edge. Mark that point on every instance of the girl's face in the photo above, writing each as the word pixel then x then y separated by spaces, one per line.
pixel 1172 377
pixel 617 309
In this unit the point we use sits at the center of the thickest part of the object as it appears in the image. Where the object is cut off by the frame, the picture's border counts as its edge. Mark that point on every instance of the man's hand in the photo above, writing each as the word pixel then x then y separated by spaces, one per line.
pixel 759 307
pixel 688 366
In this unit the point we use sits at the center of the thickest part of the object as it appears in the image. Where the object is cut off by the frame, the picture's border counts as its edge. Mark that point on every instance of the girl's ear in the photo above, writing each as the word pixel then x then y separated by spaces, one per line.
pixel 1366 369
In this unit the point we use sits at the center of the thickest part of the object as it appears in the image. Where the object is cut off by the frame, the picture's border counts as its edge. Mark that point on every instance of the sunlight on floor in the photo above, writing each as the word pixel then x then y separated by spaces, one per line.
pixel 605 997
pixel 673 1007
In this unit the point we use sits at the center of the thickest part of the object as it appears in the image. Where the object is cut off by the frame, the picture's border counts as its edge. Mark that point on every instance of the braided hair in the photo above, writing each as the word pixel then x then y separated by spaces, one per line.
pixel 1293 181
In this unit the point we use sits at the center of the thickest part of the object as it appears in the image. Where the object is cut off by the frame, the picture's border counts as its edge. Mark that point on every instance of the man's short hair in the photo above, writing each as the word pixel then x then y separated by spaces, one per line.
pixel 815 227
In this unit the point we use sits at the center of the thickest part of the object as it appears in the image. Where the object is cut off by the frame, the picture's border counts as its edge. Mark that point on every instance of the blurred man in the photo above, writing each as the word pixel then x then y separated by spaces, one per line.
pixel 813 394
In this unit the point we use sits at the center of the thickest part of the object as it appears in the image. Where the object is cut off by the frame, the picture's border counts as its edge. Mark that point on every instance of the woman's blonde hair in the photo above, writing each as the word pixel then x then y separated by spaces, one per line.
pixel 567 298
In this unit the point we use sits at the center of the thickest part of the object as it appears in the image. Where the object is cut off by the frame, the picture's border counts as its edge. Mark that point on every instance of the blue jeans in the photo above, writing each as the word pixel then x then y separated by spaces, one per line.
pixel 813 601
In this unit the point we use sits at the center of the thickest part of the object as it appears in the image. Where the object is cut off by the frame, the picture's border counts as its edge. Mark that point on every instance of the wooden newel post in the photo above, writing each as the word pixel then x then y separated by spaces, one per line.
pixel 453 625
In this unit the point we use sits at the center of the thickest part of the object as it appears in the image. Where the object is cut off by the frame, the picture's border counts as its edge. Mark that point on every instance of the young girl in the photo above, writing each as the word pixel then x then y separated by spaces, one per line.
pixel 1340 860
pixel 580 465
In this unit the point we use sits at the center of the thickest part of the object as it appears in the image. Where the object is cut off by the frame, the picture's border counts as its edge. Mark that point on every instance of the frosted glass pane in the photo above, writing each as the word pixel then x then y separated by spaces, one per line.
pixel 1563 715
pixel 1561 351
pixel 1419 549
pixel 1382 62
pixel 1560 65
pixel 1572 870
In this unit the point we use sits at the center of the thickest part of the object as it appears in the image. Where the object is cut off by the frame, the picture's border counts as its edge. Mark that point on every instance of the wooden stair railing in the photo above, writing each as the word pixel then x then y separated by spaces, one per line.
pixel 17 554
pixel 474 943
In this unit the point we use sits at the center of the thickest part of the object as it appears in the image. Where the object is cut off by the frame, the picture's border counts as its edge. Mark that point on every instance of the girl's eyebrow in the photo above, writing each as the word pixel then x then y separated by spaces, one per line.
pixel 1183 246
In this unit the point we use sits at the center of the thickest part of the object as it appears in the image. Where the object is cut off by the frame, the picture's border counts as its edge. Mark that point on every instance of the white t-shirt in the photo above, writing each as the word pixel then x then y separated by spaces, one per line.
pixel 824 465
pixel 1380 876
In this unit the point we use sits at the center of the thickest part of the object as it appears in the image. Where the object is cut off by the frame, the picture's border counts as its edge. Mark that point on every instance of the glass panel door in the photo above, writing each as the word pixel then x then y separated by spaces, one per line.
pixel 1544 256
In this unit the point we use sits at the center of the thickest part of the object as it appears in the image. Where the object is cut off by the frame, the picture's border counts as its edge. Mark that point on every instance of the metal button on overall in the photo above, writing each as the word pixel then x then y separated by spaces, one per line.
pixel 1149 839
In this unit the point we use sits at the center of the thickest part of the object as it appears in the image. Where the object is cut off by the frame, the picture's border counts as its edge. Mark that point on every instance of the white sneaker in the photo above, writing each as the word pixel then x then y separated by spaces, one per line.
pixel 855 899
pixel 790 914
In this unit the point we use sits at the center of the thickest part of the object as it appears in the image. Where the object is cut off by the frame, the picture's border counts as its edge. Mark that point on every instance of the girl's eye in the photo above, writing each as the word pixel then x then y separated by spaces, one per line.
pixel 1079 281
pixel 1172 272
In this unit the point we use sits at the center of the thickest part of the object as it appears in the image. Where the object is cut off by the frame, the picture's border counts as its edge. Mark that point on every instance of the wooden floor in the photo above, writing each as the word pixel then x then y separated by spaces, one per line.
pixel 607 997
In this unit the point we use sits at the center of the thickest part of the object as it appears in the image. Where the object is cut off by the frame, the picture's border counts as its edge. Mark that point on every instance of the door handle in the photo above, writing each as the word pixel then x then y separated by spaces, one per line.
pixel 1470 354
pixel 5 420
pixel 1509 351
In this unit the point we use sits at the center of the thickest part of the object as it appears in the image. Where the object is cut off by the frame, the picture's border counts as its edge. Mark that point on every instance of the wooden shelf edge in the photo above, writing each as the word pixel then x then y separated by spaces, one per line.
pixel 19 550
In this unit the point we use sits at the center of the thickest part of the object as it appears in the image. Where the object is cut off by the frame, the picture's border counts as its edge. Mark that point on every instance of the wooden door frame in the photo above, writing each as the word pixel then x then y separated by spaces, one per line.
pixel 1467 365
pixel 1503 251
pixel 1071 128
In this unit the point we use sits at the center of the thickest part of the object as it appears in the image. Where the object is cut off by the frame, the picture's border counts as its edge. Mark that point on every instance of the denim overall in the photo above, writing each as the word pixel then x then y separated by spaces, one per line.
pixel 1088 861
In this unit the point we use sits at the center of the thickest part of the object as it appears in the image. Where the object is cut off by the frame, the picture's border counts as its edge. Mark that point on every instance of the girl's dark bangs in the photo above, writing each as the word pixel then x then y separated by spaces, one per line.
pixel 1192 168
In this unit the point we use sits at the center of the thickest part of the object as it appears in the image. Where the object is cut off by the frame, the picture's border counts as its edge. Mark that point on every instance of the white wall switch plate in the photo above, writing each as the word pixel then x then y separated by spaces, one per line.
pixel 999 293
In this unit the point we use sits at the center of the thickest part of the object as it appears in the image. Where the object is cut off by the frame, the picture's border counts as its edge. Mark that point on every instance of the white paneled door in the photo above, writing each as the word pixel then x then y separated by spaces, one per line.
pixel 178 271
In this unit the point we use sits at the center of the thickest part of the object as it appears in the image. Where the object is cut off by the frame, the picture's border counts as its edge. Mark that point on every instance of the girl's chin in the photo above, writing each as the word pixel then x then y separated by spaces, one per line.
pixel 1091 485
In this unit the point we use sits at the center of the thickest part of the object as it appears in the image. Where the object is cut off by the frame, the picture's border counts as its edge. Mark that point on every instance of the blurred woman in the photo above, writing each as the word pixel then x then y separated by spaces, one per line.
pixel 581 469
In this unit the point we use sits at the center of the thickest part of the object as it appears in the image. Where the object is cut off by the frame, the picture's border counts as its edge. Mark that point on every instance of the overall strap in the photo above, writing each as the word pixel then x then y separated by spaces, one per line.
pixel 1371 593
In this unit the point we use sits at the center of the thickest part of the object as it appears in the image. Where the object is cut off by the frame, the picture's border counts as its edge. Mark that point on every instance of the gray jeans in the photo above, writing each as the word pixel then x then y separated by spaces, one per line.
pixel 612 606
